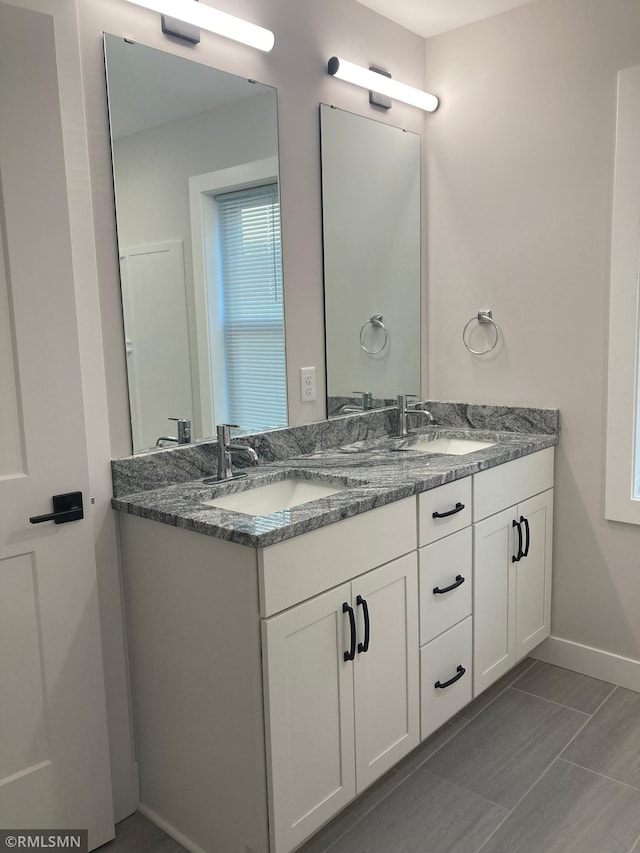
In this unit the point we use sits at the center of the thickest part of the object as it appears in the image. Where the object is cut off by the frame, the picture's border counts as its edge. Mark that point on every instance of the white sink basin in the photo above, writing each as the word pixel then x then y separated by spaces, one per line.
pixel 274 497
pixel 452 446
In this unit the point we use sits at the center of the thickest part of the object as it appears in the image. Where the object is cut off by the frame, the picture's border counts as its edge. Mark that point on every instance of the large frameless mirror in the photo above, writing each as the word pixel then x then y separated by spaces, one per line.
pixel 195 164
pixel 371 230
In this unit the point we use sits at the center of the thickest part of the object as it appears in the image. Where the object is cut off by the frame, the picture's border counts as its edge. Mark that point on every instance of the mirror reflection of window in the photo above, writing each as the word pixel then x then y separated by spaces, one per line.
pixel 251 308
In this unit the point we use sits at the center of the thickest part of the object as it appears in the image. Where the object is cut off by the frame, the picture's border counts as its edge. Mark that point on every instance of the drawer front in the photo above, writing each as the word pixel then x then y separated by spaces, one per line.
pixel 292 571
pixel 439 662
pixel 442 501
pixel 508 484
pixel 445 563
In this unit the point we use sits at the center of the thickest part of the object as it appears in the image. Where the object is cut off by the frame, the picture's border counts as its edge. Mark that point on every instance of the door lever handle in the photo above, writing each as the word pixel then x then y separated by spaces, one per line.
pixel 67 507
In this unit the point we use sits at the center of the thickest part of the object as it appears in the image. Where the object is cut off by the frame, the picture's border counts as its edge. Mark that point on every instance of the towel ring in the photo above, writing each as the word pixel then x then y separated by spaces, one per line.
pixel 376 321
pixel 482 317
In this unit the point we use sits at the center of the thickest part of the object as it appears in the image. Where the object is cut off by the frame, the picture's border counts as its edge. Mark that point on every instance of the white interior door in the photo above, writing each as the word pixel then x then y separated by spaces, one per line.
pixel 157 333
pixel 54 764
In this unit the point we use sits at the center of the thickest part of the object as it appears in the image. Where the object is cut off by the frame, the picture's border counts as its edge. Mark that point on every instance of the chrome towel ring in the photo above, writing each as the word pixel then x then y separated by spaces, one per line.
pixel 482 317
pixel 376 321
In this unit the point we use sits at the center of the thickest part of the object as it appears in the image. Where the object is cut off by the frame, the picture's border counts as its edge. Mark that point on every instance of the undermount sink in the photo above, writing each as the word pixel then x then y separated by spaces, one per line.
pixel 275 497
pixel 451 446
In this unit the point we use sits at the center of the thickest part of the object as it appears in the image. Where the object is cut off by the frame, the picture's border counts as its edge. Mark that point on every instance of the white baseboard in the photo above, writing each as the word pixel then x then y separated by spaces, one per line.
pixel 165 826
pixel 606 666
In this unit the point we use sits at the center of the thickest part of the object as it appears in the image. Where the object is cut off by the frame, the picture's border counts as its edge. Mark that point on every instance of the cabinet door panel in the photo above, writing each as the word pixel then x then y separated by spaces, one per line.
pixel 386 676
pixel 309 716
pixel 494 600
pixel 534 575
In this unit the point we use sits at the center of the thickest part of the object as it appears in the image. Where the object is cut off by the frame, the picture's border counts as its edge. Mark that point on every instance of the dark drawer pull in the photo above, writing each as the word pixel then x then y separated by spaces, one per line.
pixel 519 555
pixel 362 602
pixel 350 655
pixel 458 508
pixel 525 521
pixel 459 582
pixel 441 686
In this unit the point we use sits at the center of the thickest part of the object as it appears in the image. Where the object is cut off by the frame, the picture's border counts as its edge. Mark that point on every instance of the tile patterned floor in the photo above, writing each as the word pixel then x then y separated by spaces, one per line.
pixel 545 761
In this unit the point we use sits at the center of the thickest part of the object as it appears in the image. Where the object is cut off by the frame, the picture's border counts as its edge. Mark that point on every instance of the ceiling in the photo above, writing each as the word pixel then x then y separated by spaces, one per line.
pixel 430 17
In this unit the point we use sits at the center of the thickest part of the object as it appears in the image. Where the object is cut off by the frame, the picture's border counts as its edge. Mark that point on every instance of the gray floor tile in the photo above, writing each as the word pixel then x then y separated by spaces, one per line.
pixel 424 814
pixel 136 834
pixel 330 833
pixel 507 747
pixel 610 743
pixel 473 708
pixel 564 686
pixel 571 810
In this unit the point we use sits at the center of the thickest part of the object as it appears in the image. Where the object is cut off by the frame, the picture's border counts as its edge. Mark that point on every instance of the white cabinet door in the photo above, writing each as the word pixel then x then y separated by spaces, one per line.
pixel 494 598
pixel 533 573
pixel 386 670
pixel 512 586
pixel 309 715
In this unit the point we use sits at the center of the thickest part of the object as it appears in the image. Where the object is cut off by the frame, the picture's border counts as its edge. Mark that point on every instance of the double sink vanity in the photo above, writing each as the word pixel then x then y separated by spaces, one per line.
pixel 295 633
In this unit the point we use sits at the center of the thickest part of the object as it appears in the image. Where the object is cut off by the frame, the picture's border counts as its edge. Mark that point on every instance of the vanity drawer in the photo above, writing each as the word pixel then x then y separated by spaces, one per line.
pixel 290 572
pixel 505 485
pixel 445 563
pixel 445 502
pixel 442 660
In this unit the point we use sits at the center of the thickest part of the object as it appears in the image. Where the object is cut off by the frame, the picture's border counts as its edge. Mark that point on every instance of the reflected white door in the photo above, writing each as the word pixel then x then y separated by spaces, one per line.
pixel 157 333
pixel 54 765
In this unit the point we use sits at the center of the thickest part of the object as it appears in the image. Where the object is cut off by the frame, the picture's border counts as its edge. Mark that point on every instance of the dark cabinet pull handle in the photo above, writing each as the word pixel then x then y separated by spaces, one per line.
pixel 525 521
pixel 441 685
pixel 458 508
pixel 350 655
pixel 518 556
pixel 67 507
pixel 360 601
pixel 459 582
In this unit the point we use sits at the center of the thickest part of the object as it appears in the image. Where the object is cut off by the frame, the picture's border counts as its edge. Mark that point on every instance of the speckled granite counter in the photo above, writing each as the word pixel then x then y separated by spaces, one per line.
pixel 376 469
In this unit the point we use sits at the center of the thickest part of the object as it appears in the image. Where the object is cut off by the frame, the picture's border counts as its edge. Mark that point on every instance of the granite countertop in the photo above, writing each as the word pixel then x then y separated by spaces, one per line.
pixel 376 471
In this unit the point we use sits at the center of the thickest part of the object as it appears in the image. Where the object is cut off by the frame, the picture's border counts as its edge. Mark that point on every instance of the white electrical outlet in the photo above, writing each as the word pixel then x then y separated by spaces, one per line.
pixel 307 384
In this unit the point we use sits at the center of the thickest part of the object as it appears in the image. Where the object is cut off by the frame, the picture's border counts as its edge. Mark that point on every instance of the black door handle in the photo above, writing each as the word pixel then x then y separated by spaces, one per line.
pixel 457 508
pixel 350 655
pixel 518 556
pixel 364 647
pixel 525 521
pixel 459 582
pixel 66 507
pixel 441 685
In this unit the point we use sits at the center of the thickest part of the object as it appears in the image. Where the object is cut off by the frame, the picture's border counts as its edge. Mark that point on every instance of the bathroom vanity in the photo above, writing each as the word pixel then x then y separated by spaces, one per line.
pixel 282 663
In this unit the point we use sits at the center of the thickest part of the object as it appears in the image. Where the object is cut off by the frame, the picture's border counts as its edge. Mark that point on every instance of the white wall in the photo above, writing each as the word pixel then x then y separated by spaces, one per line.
pixel 520 162
pixel 307 34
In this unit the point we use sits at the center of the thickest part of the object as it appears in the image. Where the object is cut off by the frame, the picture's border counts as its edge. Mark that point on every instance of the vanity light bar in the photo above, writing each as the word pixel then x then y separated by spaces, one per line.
pixel 359 76
pixel 207 18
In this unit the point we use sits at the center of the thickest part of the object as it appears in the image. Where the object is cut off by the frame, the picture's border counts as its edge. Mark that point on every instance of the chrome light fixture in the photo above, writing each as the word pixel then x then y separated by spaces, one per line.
pixel 372 80
pixel 207 18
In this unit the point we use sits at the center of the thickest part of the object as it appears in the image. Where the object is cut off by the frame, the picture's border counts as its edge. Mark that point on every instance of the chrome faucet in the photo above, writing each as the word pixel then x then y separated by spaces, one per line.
pixel 226 449
pixel 184 433
pixel 404 411
pixel 352 408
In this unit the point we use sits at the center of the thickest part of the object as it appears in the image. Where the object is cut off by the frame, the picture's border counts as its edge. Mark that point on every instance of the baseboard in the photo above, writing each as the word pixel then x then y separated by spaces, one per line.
pixel 165 826
pixel 606 666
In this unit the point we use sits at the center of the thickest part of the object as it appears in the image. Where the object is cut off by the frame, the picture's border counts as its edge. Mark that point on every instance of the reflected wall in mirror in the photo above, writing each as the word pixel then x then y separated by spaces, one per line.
pixel 371 229
pixel 195 163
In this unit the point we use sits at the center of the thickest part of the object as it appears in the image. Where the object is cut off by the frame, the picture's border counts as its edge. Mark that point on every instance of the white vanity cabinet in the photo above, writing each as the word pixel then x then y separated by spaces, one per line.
pixel 251 728
pixel 272 685
pixel 513 530
pixel 335 722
